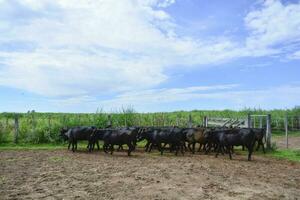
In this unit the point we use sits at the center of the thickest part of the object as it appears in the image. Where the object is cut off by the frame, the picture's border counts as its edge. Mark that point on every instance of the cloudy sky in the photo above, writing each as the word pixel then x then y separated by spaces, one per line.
pixel 154 55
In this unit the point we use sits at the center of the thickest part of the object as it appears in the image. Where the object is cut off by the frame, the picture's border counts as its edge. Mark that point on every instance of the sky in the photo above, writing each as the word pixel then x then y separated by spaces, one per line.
pixel 152 55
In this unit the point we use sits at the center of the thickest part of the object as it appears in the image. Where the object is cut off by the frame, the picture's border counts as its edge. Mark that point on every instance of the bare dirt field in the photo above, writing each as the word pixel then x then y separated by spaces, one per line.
pixel 61 174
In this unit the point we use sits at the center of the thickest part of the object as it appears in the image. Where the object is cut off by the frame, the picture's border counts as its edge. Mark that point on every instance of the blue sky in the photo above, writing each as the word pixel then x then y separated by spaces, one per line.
pixel 153 55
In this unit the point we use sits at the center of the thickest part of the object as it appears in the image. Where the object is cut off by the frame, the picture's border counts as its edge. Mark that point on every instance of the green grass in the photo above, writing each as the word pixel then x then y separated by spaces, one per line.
pixel 50 146
pixel 292 155
pixel 287 154
pixel 11 146
pixel 282 133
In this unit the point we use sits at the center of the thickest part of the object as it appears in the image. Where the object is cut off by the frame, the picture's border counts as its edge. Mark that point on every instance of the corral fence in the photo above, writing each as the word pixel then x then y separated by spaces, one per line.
pixel 35 127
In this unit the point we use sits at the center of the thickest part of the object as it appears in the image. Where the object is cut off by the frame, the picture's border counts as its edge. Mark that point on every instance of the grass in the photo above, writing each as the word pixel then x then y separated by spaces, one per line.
pixel 51 146
pixel 288 154
pixel 11 146
pixel 282 133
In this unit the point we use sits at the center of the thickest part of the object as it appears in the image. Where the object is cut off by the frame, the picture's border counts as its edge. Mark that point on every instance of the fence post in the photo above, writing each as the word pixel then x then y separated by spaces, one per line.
pixel 33 120
pixel 125 116
pixel 260 122
pixel 6 123
pixel 249 120
pixel 286 130
pixel 190 123
pixel 269 132
pixel 109 121
pixel 140 120
pixel 16 129
pixel 152 120
pixel 205 121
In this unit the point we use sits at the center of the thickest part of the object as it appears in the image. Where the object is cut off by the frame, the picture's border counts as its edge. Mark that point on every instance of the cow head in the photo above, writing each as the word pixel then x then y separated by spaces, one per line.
pixel 63 132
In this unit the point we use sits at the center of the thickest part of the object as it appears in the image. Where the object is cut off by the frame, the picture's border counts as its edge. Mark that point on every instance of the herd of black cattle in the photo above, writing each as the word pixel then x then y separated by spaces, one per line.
pixel 219 140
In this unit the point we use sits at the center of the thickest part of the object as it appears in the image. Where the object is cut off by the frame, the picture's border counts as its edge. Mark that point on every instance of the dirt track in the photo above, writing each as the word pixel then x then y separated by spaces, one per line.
pixel 62 174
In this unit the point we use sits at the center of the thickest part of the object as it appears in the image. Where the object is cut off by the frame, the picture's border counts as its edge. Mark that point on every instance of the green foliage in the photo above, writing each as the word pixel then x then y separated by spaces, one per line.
pixel 35 128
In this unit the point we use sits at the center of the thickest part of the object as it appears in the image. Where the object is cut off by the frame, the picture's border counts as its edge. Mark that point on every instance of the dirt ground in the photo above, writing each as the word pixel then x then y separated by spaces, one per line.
pixel 61 174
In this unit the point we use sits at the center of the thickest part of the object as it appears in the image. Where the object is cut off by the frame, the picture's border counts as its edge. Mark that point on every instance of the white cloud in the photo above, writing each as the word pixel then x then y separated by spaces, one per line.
pixel 272 25
pixel 99 47
pixel 217 97
pixel 110 46
pixel 295 55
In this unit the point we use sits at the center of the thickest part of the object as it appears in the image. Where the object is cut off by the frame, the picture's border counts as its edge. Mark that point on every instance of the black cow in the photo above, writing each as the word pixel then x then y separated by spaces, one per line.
pixel 160 137
pixel 237 137
pixel 119 137
pixel 259 136
pixel 79 133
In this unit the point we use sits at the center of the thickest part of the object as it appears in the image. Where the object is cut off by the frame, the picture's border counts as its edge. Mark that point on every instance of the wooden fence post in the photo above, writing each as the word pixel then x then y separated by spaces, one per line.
pixel 260 122
pixel 152 121
pixel 249 120
pixel 6 123
pixel 33 120
pixel 286 130
pixel 125 118
pixel 109 121
pixel 16 129
pixel 140 120
pixel 190 123
pixel 269 132
pixel 205 121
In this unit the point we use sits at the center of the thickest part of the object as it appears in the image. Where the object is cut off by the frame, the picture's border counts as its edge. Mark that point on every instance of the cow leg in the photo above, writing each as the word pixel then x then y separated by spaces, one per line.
pixel 98 147
pixel 69 145
pixel 111 149
pixel 250 150
pixel 161 149
pixel 130 148
pixel 147 146
pixel 105 147
pixel 200 147
pixel 219 149
pixel 150 148
pixel 90 146
pixel 222 150
pixel 73 145
pixel 176 149
pixel 263 147
pixel 182 147
pixel 229 151
pixel 193 146
pixel 208 148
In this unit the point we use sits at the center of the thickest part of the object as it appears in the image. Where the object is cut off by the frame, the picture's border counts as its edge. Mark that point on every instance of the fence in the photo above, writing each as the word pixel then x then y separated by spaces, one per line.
pixel 44 127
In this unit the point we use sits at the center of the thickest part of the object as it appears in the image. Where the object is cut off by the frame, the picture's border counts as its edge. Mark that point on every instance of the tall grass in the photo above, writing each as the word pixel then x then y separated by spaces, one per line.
pixel 36 128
